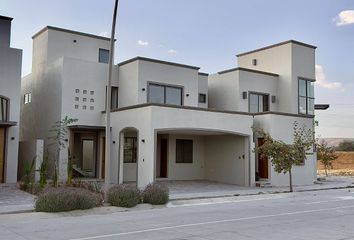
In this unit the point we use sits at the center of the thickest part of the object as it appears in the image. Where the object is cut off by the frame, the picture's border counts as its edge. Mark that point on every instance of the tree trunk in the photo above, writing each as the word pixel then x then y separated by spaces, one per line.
pixel 290 181
pixel 326 171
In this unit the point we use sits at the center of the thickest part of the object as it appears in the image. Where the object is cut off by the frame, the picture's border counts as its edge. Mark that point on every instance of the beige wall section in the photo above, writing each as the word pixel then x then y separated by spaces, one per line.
pixel 256 82
pixel 28 151
pixel 223 91
pixel 186 171
pixel 203 88
pixel 275 125
pixel 128 84
pixel 225 159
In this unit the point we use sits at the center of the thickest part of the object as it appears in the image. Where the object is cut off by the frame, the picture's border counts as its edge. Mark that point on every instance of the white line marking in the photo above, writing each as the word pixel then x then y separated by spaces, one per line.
pixel 211 222
pixel 345 198
pixel 222 202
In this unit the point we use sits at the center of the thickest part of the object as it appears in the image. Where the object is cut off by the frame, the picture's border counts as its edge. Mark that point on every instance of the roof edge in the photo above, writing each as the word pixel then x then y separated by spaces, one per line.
pixel 277 45
pixel 6 18
pixel 248 70
pixel 203 74
pixel 69 31
pixel 157 61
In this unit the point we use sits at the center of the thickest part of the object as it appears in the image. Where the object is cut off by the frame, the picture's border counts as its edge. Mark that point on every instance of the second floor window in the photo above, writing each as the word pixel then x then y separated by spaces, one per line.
pixel 306 97
pixel 258 102
pixel 165 94
pixel 103 55
pixel 27 98
pixel 4 109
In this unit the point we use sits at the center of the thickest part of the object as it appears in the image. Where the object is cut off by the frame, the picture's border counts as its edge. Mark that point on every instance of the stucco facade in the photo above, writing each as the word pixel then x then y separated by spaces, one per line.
pixel 169 121
pixel 10 85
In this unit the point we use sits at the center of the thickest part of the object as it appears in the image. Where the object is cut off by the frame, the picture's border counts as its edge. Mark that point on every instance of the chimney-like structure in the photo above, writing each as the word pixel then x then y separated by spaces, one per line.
pixel 5 31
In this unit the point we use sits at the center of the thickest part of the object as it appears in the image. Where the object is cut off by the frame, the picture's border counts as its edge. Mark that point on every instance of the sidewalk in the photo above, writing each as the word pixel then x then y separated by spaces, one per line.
pixel 13 200
pixel 201 189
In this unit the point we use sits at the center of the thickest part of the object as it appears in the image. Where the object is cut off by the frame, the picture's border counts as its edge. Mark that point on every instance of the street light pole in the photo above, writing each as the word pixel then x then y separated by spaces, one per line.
pixel 107 176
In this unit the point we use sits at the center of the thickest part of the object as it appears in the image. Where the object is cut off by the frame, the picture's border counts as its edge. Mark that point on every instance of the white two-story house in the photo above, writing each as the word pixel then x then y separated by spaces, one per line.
pixel 10 88
pixel 169 120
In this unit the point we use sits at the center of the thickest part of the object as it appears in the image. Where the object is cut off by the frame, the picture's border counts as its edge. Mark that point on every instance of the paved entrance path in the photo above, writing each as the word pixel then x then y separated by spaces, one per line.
pixel 13 200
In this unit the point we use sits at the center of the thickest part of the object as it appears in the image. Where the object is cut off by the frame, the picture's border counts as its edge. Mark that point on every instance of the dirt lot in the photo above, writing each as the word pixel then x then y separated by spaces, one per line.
pixel 342 166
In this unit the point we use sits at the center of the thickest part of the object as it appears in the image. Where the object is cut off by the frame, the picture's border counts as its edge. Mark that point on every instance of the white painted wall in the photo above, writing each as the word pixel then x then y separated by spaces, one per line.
pixel 10 87
pixel 27 152
pixel 280 128
pixel 203 88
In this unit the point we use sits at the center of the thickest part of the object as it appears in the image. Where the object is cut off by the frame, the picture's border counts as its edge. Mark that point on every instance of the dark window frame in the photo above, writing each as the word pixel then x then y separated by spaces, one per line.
pixel 164 92
pixel 4 111
pixel 307 97
pixel 99 55
pixel 260 94
pixel 133 150
pixel 182 143
pixel 203 95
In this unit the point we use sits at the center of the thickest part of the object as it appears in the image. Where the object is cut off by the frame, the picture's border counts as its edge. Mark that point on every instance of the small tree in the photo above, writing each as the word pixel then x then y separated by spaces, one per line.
pixel 284 156
pixel 60 129
pixel 326 154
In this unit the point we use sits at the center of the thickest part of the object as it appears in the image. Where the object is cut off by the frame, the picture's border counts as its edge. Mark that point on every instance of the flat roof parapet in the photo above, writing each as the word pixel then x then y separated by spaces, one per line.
pixel 277 45
pixel 6 18
pixel 157 61
pixel 248 70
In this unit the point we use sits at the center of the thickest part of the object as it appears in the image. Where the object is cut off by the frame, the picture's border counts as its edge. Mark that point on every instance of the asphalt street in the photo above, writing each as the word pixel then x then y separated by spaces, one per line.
pixel 308 215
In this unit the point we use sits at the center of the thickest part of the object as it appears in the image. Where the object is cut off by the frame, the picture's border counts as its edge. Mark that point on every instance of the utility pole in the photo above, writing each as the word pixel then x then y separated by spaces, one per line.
pixel 107 175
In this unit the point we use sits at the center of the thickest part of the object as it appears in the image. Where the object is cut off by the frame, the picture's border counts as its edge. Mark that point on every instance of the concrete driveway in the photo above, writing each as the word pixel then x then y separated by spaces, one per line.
pixel 13 200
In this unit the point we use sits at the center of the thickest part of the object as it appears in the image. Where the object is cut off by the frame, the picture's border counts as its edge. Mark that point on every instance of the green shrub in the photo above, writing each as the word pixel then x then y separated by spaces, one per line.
pixel 124 196
pixel 156 194
pixel 66 199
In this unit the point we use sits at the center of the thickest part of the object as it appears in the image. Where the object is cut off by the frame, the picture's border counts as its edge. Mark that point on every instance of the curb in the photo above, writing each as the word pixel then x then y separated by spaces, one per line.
pixel 17 212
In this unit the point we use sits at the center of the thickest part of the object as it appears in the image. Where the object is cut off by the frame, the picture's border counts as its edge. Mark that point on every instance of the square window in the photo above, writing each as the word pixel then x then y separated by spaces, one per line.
pixel 84 99
pixel 103 55
pixel 92 100
pixel 202 98
pixel 77 99
pixel 92 107
pixel 84 91
pixel 184 151
pixel 84 107
pixel 76 106
pixel 92 92
pixel 77 90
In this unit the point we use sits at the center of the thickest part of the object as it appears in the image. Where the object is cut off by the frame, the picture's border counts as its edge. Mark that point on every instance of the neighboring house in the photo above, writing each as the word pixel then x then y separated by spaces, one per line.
pixel 10 88
pixel 169 121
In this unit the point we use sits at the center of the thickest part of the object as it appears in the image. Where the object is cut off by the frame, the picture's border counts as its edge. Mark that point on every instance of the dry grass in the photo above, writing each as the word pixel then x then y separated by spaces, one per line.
pixel 342 166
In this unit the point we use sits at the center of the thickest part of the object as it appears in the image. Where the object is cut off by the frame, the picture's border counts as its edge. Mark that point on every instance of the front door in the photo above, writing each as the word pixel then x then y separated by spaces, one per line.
pixel 88 157
pixel 262 162
pixel 163 157
pixel 2 154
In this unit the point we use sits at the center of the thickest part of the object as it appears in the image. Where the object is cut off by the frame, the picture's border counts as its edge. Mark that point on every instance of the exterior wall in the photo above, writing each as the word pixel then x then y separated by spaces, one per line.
pixel 225 158
pixel 203 88
pixel 186 171
pixel 27 152
pixel 10 82
pixel 276 60
pixel 223 91
pixel 161 118
pixel 89 76
pixel 128 80
pixel 259 83
pixel 275 125
pixel 5 32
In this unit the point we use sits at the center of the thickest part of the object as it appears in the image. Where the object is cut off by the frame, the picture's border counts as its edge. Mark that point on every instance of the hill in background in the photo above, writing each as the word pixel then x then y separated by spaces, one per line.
pixel 335 141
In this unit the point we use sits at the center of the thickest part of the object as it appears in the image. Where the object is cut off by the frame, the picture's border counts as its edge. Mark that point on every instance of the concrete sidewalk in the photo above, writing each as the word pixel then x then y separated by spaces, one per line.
pixel 181 190
pixel 13 200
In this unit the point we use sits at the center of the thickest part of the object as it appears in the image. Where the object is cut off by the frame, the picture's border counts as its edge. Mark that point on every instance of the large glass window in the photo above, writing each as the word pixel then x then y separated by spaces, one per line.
pixel 306 97
pixel 130 149
pixel 103 55
pixel 184 151
pixel 165 94
pixel 258 102
pixel 4 109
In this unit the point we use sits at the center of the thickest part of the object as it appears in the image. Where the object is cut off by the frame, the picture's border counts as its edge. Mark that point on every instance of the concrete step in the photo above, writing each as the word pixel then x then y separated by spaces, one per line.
pixel 263 184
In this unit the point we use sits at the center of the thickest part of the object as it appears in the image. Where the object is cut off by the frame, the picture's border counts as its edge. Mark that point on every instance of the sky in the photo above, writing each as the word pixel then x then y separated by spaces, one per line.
pixel 209 34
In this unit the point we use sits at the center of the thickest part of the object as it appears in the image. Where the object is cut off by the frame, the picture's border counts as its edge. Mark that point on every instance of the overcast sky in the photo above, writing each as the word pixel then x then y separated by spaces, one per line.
pixel 209 34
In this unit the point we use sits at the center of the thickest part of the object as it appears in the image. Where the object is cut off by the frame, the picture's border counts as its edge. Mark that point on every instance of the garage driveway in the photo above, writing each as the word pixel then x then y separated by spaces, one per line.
pixel 13 200
pixel 205 189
